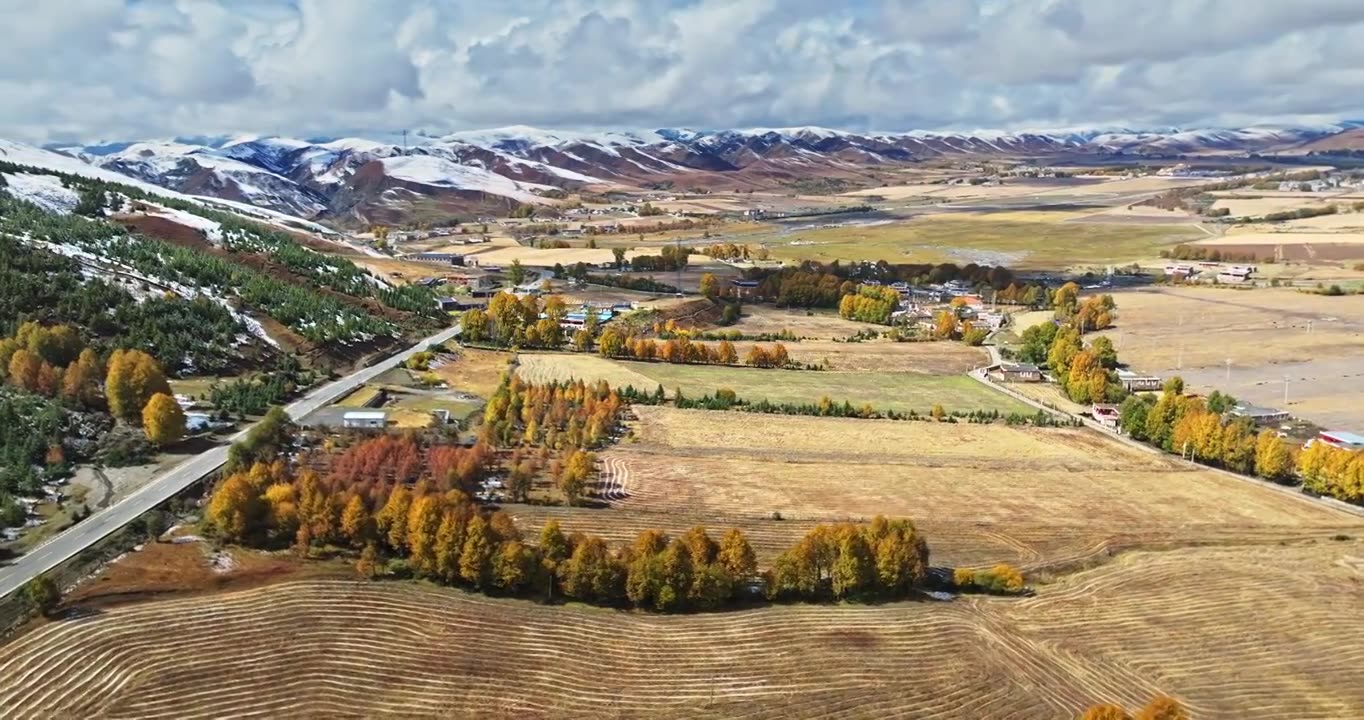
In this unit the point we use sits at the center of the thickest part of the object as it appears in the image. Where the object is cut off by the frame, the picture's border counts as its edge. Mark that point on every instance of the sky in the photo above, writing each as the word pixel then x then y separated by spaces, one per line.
pixel 106 70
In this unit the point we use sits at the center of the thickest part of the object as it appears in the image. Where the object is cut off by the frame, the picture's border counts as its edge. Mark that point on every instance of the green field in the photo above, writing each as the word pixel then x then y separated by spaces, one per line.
pixel 983 240
pixel 882 390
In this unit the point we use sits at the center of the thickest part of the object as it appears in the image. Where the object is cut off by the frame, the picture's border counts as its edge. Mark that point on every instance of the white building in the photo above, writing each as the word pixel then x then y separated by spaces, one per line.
pixel 364 419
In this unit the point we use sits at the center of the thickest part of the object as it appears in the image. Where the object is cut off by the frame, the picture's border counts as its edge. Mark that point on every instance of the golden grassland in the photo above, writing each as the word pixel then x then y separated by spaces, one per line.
pixel 1023 240
pixel 926 358
pixel 1252 327
pixel 475 371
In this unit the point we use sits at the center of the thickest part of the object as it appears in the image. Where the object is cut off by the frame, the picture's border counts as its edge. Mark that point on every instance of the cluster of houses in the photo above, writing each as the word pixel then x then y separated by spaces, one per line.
pixel 1218 272
pixel 919 305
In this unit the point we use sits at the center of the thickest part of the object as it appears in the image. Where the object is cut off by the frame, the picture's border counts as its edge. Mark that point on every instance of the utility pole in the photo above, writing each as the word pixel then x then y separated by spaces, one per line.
pixel 1228 370
pixel 404 141
pixel 1285 391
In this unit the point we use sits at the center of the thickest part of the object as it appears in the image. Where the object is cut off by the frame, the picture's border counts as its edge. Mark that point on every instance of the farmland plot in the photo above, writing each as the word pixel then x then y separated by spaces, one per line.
pixel 1184 623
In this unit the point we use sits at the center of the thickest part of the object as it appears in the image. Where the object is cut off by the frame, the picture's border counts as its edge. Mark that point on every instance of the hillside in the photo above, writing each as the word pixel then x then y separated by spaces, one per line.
pixel 359 181
pixel 274 290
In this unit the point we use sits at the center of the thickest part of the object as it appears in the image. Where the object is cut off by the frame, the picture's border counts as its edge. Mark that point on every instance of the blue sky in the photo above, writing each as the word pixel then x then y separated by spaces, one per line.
pixel 87 70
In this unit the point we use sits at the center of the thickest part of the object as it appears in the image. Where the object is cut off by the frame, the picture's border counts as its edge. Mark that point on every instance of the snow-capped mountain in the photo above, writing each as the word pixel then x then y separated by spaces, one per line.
pixel 368 180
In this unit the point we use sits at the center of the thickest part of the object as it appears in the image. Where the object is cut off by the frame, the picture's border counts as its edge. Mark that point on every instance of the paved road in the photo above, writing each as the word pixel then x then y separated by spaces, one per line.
pixel 165 486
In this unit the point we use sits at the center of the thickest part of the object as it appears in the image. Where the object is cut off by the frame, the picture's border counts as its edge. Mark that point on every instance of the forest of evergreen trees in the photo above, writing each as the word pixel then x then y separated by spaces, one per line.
pixel 36 284
pixel 317 316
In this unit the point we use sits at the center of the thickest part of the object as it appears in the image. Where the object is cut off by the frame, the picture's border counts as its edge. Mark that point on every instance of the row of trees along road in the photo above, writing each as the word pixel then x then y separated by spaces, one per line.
pixel 1196 427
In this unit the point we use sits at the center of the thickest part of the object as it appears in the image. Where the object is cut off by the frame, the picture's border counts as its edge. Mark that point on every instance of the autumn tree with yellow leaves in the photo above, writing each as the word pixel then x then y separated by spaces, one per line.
pixel 133 378
pixel 163 420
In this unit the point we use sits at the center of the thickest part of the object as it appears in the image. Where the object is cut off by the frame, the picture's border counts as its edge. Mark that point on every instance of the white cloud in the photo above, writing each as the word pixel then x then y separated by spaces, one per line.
pixel 122 69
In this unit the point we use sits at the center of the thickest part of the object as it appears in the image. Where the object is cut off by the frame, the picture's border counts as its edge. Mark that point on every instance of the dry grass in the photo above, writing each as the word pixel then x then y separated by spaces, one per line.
pixel 926 358
pixel 1101 635
pixel 1265 333
pixel 949 472
pixel 1253 328
pixel 1253 237
pixel 362 397
pixel 1049 394
pixel 823 325
pixel 561 367
pixel 1258 206
pixel 1024 320
pixel 1022 240
pixel 475 371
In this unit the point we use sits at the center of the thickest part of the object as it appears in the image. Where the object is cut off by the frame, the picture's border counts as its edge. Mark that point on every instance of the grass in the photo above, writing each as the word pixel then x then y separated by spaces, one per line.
pixel 475 371
pixel 900 391
pixel 881 390
pixel 459 409
pixel 195 386
pixel 362 397
pixel 982 239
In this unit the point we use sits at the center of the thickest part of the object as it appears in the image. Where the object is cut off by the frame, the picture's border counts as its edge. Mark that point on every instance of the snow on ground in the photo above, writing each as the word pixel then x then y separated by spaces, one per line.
pixel 437 172
pixel 266 215
pixel 213 230
pixel 45 191
pixel 21 154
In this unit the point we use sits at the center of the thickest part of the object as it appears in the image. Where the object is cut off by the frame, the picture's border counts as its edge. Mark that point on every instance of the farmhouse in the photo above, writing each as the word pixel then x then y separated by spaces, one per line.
pixel 1259 415
pixel 441 258
pixel 1106 415
pixel 1136 382
pixel 1342 439
pixel 1180 270
pixel 579 317
pixel 451 303
pixel 368 419
pixel 1015 372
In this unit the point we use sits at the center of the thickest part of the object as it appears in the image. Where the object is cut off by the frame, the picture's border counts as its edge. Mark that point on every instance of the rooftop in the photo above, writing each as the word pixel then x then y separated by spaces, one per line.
pixel 1255 411
pixel 365 415
pixel 1343 436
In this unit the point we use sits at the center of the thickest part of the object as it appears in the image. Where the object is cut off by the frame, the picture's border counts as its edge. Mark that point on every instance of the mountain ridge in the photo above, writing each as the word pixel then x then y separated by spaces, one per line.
pixel 487 171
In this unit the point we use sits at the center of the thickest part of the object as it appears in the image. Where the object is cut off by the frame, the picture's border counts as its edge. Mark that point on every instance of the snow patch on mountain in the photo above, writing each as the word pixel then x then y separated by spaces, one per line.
pixel 438 172
pixel 212 230
pixel 21 154
pixel 45 191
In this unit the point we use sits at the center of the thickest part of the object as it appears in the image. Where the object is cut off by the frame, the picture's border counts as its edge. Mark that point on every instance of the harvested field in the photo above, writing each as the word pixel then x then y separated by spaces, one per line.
pixel 819 324
pixel 882 390
pixel 1256 206
pixel 927 358
pixel 1044 499
pixel 900 391
pixel 1300 246
pixel 724 464
pixel 561 367
pixel 1264 332
pixel 1024 242
pixel 1100 635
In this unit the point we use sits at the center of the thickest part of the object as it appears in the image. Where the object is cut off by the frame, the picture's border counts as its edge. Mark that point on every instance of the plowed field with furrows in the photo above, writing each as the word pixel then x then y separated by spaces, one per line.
pixel 1268 632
